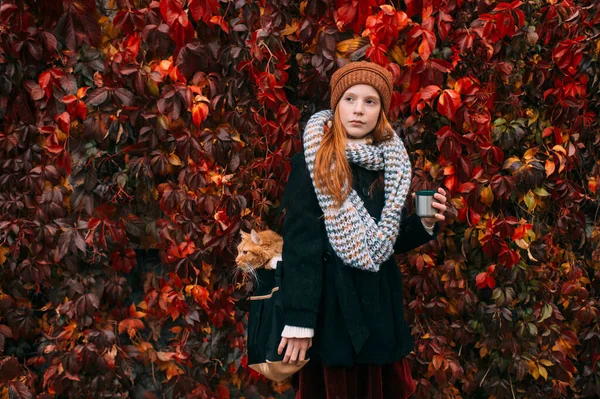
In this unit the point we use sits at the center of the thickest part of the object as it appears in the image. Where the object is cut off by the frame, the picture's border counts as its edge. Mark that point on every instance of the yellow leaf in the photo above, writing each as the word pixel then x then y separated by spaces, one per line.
pixel 174 160
pixel 3 252
pixel 533 369
pixel 543 372
pixel 451 309
pixel 530 153
pixel 290 29
pixel 483 352
pixel 541 191
pixel 398 55
pixel 529 201
pixel 522 243
pixel 509 162
pixel 487 196
pixel 303 6
pixel 349 46
pixel 546 362
pixel 532 115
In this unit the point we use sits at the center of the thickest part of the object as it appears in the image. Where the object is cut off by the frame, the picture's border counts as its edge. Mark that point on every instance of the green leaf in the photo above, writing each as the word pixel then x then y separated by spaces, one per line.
pixel 546 312
pixel 541 191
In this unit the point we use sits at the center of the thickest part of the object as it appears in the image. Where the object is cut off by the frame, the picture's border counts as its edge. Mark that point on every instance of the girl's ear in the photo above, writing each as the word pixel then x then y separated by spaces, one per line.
pixel 255 237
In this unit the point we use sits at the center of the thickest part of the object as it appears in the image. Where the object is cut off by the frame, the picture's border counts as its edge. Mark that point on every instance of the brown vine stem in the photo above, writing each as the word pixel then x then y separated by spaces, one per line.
pixel 511 387
pixel 486 373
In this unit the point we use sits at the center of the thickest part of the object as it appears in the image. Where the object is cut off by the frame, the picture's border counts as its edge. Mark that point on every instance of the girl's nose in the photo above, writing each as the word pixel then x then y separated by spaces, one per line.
pixel 358 107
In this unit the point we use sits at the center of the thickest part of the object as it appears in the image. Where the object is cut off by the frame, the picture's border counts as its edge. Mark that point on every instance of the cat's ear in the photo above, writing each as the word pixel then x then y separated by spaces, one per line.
pixel 243 234
pixel 255 237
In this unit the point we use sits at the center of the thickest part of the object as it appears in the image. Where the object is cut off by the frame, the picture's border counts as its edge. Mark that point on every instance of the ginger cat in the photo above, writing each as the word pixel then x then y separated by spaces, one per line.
pixel 259 249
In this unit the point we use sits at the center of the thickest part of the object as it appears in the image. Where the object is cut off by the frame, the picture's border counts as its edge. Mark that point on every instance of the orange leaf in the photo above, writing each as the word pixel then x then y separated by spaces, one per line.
pixel 173 370
pixel 550 167
pixel 127 324
pixel 69 99
pixel 199 113
pixel 222 22
pixel 593 184
pixel 437 361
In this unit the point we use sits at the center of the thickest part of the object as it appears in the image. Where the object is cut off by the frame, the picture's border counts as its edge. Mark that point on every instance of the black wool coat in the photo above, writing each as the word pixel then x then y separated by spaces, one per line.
pixel 357 315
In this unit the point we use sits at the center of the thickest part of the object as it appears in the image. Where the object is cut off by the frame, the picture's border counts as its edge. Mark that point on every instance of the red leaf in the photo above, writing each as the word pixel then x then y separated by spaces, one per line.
pixel 481 280
pixel 125 96
pixel 484 279
pixel 182 31
pixel 63 120
pixel 204 10
pixel 223 392
pixel 98 97
pixel 448 103
pixel 376 52
pixel 429 93
pixel 9 368
pixel 427 44
pixel 171 10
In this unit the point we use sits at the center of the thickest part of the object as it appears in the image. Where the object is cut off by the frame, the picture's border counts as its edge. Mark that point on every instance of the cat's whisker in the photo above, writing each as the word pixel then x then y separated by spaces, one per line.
pixel 249 273
pixel 233 273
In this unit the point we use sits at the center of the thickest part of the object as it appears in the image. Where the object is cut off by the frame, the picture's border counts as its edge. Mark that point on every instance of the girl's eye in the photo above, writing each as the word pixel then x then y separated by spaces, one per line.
pixel 349 98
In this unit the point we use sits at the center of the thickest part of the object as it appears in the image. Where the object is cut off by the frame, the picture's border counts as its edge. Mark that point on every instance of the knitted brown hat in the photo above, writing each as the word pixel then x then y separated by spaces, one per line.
pixel 362 72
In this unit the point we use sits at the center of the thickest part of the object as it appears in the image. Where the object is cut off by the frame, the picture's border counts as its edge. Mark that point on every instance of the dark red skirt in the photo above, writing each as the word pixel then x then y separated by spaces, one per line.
pixel 389 381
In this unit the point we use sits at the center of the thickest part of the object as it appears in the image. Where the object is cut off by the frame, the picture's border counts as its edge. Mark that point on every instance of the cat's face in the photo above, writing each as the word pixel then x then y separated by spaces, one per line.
pixel 251 254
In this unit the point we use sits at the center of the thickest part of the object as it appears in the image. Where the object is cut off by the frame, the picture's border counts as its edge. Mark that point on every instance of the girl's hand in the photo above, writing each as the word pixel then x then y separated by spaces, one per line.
pixel 439 202
pixel 296 349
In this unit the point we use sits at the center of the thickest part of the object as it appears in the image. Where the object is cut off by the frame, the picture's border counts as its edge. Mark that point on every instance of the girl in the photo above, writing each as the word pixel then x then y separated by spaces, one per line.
pixel 341 287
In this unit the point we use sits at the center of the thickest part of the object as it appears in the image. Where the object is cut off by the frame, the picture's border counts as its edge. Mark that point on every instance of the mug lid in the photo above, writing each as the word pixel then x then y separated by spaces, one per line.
pixel 425 192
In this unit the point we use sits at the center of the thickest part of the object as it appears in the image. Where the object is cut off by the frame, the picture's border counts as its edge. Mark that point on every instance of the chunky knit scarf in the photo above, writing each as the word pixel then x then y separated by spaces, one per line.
pixel 354 235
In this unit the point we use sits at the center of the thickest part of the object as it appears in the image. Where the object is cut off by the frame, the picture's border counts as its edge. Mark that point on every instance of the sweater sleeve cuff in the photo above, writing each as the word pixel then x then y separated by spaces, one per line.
pixel 297 332
pixel 427 228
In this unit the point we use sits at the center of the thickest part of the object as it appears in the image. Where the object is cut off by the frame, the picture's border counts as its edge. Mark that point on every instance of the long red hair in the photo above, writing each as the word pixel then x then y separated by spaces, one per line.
pixel 332 170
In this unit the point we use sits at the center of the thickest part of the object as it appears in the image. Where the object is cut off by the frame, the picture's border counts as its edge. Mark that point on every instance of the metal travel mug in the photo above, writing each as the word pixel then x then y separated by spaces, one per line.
pixel 423 202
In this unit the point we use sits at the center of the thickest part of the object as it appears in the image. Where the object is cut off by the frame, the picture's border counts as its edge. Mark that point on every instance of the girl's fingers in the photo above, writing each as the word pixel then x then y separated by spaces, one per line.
pixel 439 206
pixel 288 353
pixel 294 356
pixel 302 355
pixel 441 198
pixel 282 345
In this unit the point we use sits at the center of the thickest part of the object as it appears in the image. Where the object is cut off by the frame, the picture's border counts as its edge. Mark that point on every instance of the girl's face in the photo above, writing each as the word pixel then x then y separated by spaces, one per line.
pixel 359 110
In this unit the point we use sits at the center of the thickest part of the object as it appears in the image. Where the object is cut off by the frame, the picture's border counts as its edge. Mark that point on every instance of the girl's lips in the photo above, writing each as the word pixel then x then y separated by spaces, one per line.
pixel 356 123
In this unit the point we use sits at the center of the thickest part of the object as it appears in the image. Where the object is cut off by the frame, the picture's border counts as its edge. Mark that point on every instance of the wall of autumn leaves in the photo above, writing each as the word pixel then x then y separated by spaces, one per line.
pixel 137 137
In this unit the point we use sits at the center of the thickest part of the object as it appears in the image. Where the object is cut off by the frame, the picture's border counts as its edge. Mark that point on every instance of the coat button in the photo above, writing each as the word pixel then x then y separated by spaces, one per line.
pixel 326 256
pixel 365 191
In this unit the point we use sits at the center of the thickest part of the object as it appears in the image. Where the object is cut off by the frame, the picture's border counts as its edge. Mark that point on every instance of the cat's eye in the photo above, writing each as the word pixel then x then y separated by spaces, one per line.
pixel 244 252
